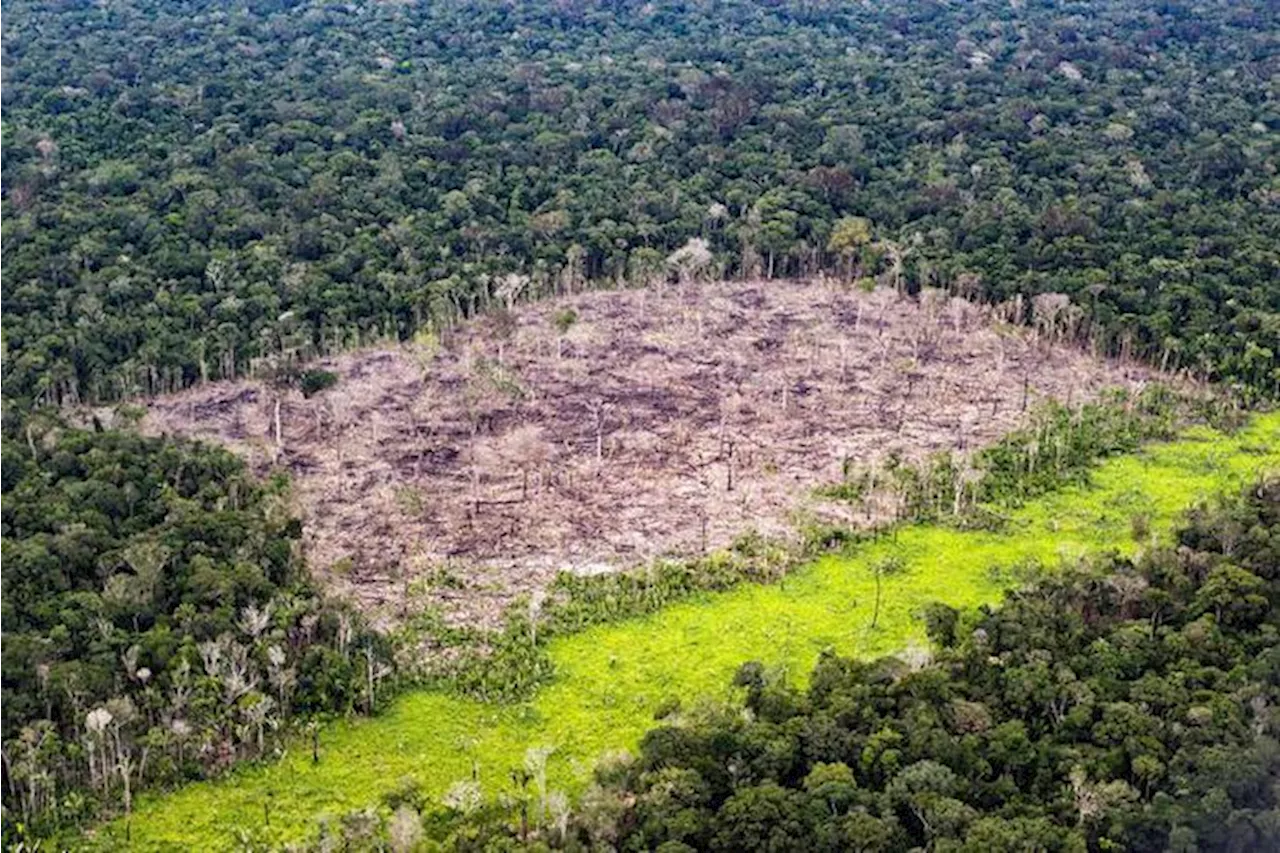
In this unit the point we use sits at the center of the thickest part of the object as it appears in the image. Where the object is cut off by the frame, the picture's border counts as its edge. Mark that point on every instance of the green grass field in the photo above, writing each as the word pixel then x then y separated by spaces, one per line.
pixel 609 679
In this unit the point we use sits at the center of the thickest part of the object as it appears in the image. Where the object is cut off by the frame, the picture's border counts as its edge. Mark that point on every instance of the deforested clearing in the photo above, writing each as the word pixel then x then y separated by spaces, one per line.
pixel 606 429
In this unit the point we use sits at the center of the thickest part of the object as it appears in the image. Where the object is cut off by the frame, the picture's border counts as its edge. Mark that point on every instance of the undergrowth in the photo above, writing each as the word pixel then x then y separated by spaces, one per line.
pixel 509 666
pixel 1059 446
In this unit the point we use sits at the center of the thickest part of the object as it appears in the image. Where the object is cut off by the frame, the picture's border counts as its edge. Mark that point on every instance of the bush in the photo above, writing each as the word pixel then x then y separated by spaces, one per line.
pixel 315 381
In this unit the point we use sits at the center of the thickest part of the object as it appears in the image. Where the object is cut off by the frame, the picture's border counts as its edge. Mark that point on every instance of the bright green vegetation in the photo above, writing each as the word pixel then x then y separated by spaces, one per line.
pixel 611 678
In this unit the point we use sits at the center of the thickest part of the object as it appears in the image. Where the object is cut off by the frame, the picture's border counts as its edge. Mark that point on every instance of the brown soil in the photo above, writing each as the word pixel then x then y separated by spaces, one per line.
pixel 659 422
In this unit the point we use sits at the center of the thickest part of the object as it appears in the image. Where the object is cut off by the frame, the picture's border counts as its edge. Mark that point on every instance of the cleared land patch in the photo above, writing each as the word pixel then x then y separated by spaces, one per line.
pixel 606 429
pixel 610 679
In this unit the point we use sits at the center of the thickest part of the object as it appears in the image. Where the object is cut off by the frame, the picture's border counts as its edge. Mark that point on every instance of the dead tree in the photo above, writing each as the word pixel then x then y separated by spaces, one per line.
pixel 597 408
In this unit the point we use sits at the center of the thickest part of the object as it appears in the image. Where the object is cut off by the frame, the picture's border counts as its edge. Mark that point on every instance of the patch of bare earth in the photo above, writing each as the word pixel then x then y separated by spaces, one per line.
pixel 658 422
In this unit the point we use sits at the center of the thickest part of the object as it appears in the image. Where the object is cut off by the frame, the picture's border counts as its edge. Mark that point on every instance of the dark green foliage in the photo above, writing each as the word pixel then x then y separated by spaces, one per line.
pixel 190 188
pixel 940 622
pixel 313 382
pixel 153 585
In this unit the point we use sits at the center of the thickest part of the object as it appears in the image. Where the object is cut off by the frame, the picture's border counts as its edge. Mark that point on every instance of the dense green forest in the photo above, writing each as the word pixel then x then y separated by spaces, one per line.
pixel 1129 705
pixel 158 625
pixel 193 189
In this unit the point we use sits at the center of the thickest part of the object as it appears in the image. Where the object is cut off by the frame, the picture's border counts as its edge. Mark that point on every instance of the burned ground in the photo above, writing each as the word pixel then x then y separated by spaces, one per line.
pixel 606 429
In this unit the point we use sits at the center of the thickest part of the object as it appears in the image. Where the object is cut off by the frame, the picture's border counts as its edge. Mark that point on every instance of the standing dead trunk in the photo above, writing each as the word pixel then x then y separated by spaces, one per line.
pixel 125 767
pixel 729 460
pixel 475 490
pixel 596 407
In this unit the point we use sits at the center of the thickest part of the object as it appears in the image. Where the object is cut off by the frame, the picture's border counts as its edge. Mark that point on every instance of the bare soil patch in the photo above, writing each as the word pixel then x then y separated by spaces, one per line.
pixel 606 429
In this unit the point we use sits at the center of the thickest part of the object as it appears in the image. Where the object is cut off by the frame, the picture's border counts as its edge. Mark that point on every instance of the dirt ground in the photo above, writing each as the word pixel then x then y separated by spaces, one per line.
pixel 603 430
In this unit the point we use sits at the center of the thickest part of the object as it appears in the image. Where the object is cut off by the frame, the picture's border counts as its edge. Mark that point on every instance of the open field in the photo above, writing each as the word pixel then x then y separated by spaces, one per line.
pixel 611 678
pixel 605 429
